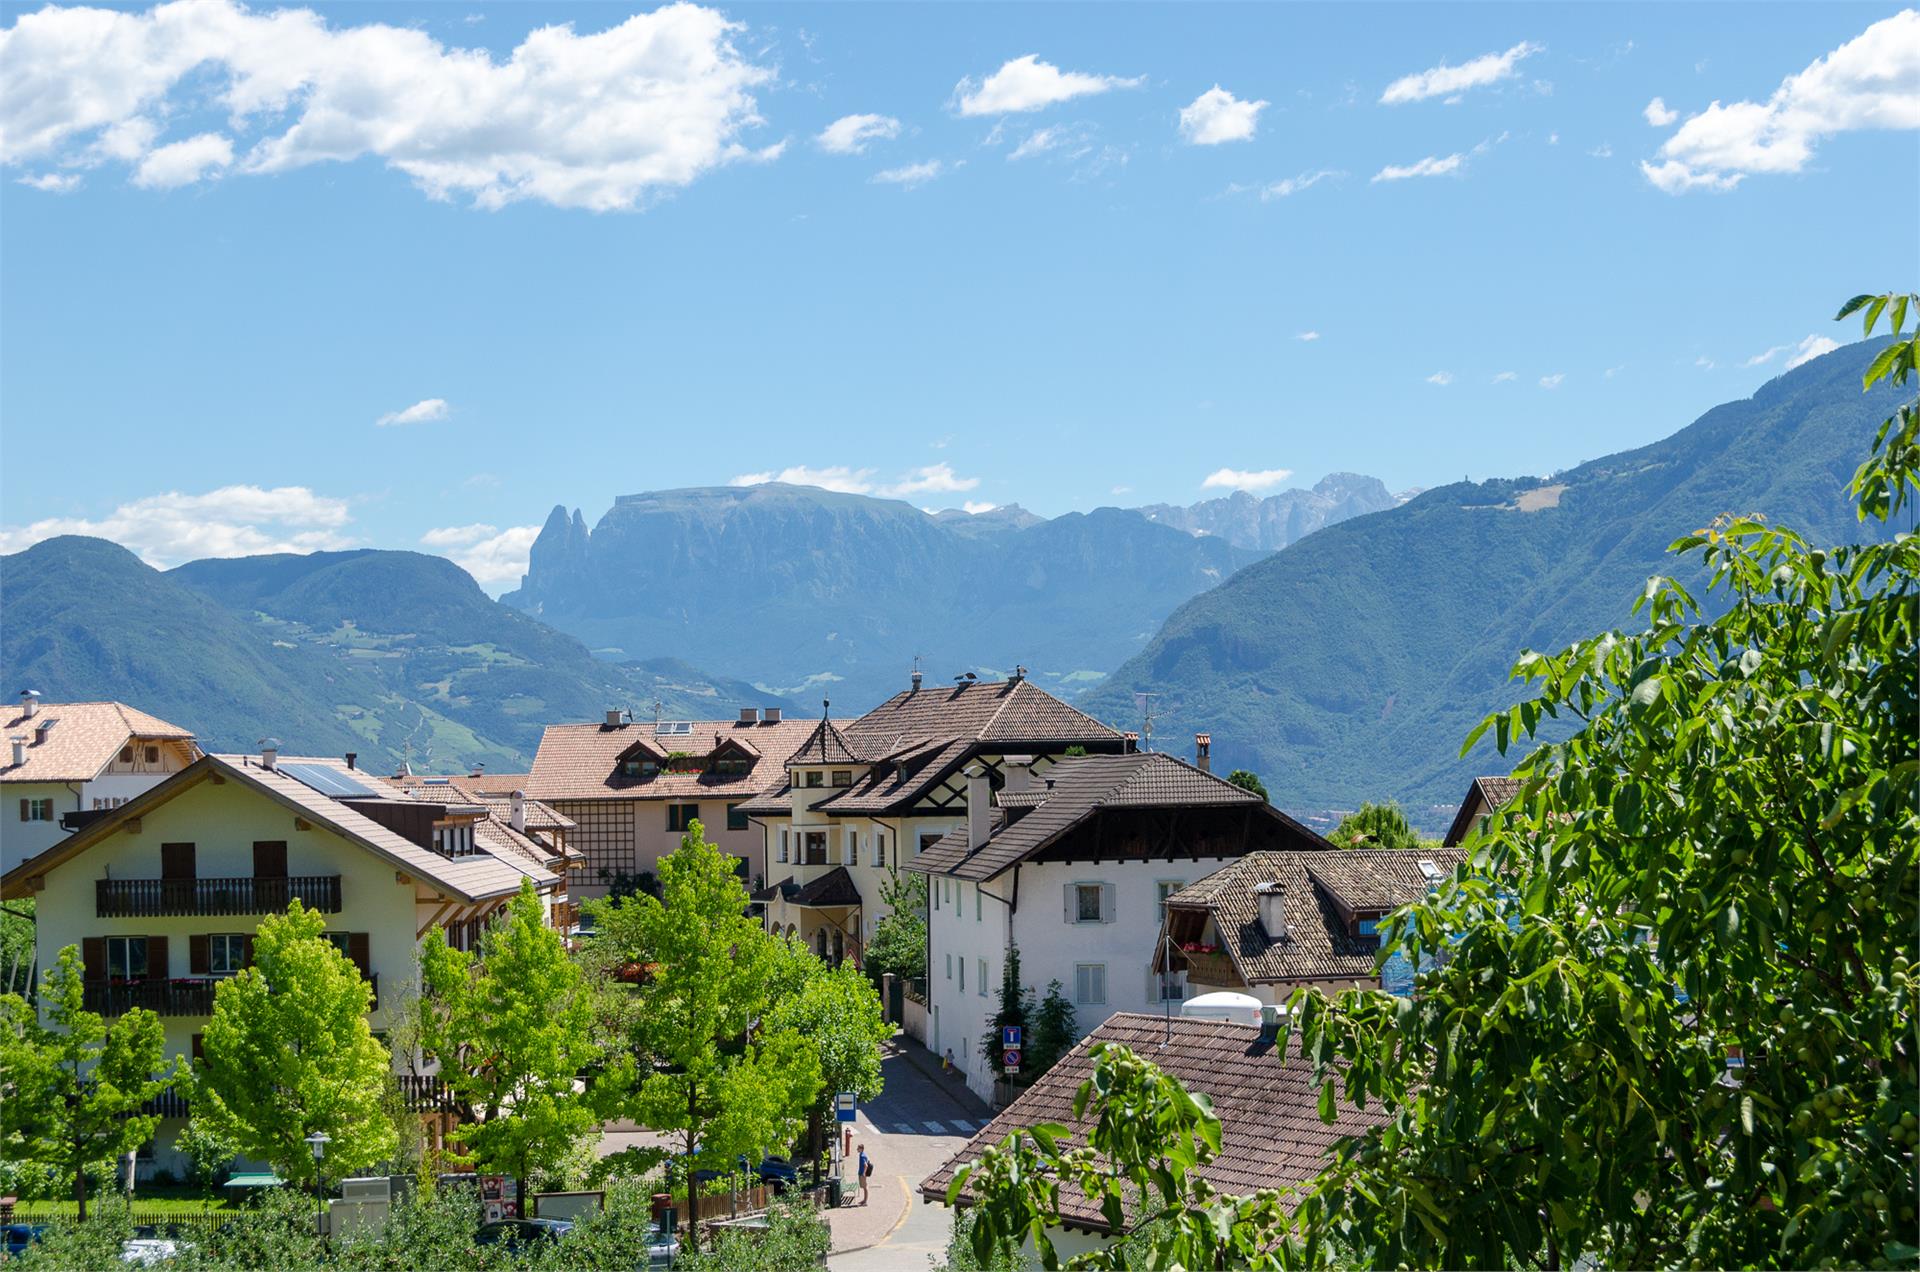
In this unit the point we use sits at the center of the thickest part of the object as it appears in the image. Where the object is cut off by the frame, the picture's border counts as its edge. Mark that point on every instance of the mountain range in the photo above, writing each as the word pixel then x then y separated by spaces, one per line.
pixel 815 591
pixel 395 655
pixel 1351 665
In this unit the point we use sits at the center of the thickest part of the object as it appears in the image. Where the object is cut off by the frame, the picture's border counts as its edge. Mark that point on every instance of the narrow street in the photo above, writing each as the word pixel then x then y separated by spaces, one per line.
pixel 916 1124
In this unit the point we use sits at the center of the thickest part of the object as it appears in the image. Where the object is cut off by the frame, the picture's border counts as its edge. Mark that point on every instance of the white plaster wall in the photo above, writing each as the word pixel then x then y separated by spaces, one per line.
pixel 21 839
pixel 968 923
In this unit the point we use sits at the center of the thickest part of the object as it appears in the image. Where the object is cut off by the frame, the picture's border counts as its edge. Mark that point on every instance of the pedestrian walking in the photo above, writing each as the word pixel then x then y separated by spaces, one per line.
pixel 865 1170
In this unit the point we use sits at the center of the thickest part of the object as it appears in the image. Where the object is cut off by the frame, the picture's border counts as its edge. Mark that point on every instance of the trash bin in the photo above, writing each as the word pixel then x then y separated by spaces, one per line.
pixel 834 1191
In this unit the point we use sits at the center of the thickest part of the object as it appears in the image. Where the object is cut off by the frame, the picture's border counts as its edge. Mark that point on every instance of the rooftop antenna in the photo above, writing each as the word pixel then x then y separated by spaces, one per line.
pixel 1145 701
pixel 658 706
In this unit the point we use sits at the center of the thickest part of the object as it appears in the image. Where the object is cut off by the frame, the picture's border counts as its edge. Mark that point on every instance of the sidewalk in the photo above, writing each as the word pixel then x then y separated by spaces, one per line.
pixel 950 1081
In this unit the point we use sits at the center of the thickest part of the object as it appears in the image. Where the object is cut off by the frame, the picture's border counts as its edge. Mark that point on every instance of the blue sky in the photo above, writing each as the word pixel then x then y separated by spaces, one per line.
pixel 1056 269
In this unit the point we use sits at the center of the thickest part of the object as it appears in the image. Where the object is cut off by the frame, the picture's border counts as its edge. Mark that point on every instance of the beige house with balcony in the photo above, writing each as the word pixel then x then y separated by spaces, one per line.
pixel 162 894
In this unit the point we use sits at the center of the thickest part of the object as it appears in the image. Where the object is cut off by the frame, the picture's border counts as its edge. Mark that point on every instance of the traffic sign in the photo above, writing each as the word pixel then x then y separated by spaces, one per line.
pixel 843 1106
pixel 1010 1059
pixel 1010 1036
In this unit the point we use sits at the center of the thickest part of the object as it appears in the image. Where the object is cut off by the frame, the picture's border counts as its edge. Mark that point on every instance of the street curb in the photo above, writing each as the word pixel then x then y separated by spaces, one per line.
pixel 944 1081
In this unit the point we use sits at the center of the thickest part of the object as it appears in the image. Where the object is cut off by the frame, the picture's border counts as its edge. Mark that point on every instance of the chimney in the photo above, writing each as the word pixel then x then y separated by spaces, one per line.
pixel 29 703
pixel 1133 742
pixel 19 752
pixel 352 756
pixel 1272 900
pixel 916 680
pixel 1019 673
pixel 1270 1014
pixel 1203 752
pixel 478 770
pixel 770 715
pixel 517 817
pixel 979 806
pixel 613 717
pixel 749 715
pixel 1018 772
pixel 269 753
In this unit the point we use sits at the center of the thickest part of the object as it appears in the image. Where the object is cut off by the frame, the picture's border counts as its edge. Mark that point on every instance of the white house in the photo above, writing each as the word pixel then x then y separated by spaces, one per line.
pixel 162 894
pixel 1074 868
pixel 863 798
pixel 67 760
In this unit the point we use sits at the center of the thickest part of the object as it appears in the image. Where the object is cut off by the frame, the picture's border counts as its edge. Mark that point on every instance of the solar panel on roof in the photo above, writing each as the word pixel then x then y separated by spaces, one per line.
pixel 328 781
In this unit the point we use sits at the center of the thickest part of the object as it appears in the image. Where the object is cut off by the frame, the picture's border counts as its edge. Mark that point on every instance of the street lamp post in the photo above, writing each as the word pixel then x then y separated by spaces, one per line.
pixel 318 1142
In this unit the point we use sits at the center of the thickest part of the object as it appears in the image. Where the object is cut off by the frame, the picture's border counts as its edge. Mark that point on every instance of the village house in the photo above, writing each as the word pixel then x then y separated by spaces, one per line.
pixel 162 894
pixel 632 788
pixel 1275 921
pixel 67 760
pixel 861 799
pixel 1271 1135
pixel 1485 796
pixel 1074 868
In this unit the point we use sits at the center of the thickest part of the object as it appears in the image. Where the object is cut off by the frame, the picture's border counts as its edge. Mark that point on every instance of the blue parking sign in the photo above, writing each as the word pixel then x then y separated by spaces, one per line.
pixel 1009 1036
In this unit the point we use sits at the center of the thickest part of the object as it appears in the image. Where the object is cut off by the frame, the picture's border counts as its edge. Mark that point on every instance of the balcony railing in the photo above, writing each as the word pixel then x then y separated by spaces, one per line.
pixel 157 898
pixel 165 997
pixel 168 1104
pixel 423 1093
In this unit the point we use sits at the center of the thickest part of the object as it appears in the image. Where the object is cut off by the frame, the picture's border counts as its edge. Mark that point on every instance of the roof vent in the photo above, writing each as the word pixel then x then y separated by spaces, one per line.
pixel 42 729
pixel 1272 900
pixel 916 680
pixel 29 703
pixel 749 715
pixel 478 770
pixel 771 715
pixel 1019 673
pixel 517 817
pixel 352 757
pixel 269 753
pixel 19 752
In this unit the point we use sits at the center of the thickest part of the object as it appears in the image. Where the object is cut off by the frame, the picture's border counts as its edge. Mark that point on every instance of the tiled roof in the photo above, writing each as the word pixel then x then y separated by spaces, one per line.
pixel 985 711
pixel 900 783
pixel 475 784
pixel 832 889
pixel 84 739
pixel 1271 1134
pixel 1318 946
pixel 825 745
pixel 1484 795
pixel 496 792
pixel 1076 789
pixel 582 761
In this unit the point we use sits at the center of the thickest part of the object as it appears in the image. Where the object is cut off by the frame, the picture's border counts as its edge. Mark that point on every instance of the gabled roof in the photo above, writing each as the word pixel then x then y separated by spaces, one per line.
pixel 834 889
pixel 825 745
pixel 1079 788
pixel 1484 795
pixel 582 761
pixel 1319 945
pixel 495 792
pixel 482 876
pixel 1271 1134
pixel 83 739
pixel 984 711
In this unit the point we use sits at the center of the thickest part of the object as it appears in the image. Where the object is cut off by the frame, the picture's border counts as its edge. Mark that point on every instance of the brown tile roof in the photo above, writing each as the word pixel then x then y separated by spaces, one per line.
pixel 474 784
pixel 496 793
pixel 985 711
pixel 83 739
pixel 1484 795
pixel 1078 788
pixel 582 761
pixel 902 781
pixel 1271 1134
pixel 835 888
pixel 1318 946
pixel 825 745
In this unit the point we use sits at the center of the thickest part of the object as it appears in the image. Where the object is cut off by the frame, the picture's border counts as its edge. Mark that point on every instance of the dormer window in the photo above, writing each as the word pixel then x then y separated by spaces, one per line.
pixel 126 755
pixel 816 778
pixel 454 840
pixel 843 777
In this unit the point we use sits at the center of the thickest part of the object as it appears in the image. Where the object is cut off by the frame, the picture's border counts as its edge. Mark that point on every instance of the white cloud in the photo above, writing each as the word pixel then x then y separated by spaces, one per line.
pixel 1705 363
pixel 1552 381
pixel 169 528
pixel 1041 140
pixel 1659 114
pixel 1610 372
pixel 908 176
pixel 1506 377
pixel 1121 490
pixel 1602 151
pixel 1248 480
pixel 1870 82
pixel 1441 378
pixel 1431 166
pixel 53 182
pixel 974 508
pixel 850 134
pixel 931 478
pixel 1289 186
pixel 1027 83
pixel 1445 81
pixel 183 162
pixel 848 481
pixel 1216 116
pixel 495 559
pixel 1308 335
pixel 1806 351
pixel 425 411
pixel 605 120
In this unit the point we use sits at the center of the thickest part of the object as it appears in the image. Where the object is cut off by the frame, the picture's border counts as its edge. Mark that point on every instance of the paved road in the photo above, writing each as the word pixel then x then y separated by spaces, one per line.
pixel 917 1123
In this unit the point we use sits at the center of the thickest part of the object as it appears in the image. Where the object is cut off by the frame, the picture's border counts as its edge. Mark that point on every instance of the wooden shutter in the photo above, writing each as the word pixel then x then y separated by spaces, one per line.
pixel 199 1047
pixel 25 812
pixel 1068 897
pixel 270 859
pixel 157 958
pixel 199 962
pixel 246 950
pixel 176 861
pixel 358 949
pixel 93 957
pixel 1107 903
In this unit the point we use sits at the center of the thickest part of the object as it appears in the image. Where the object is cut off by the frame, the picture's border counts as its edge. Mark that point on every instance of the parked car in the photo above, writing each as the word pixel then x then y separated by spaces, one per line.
pixel 16 1237
pixel 779 1174
pixel 146 1247
pixel 663 1249
pixel 521 1232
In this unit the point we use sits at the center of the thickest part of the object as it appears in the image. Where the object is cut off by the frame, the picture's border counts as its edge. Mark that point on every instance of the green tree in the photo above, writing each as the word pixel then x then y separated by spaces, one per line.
pixel 17 947
pixel 288 1053
pixel 1248 780
pixel 74 1090
pixel 715 1073
pixel 1054 1031
pixel 899 943
pixel 512 1028
pixel 1016 1008
pixel 1375 826
pixel 1674 1022
pixel 837 1010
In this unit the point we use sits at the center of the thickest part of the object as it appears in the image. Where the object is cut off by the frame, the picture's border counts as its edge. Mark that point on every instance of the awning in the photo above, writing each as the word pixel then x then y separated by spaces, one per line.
pixel 255 1179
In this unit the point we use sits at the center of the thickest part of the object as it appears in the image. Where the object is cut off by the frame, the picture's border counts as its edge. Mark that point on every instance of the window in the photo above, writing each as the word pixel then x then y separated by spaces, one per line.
pixel 153 755
pixel 982 991
pixel 1090 983
pixel 949 967
pixel 36 810
pixel 1089 903
pixel 976 902
pixel 843 777
pixel 963 975
pixel 1162 889
pixel 681 817
pixel 783 844
pixel 1366 927
pixel 226 953
pixel 454 841
pixel 126 958
pixel 879 849
pixel 816 778
pixel 851 849
pixel 736 820
pixel 126 755
pixel 814 848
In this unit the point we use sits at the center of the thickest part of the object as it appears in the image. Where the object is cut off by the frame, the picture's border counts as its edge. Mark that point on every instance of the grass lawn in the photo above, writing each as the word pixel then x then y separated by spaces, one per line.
pixel 172 1201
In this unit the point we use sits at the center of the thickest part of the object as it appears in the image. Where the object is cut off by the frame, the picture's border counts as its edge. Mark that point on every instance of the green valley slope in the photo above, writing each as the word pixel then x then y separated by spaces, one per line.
pixel 1350 665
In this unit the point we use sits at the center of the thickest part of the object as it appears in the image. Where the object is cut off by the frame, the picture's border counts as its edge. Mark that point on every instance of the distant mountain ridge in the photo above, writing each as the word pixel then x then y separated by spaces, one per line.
pixel 1351 665
pixel 1271 523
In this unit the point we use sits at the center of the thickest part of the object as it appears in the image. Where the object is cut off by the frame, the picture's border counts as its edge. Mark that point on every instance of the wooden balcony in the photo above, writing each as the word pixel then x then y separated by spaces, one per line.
pixel 423 1093
pixel 165 997
pixel 160 898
